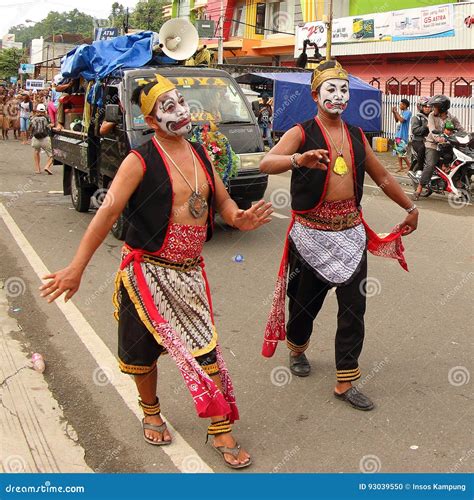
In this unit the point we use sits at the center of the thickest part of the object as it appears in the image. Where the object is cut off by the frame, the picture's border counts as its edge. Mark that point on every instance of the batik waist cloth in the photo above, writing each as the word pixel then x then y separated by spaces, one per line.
pixel 331 240
pixel 170 292
pixel 177 285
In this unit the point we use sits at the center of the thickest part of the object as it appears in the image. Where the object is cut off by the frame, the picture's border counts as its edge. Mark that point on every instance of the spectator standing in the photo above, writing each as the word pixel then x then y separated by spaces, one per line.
pixel 40 127
pixel 26 107
pixel 403 118
pixel 264 119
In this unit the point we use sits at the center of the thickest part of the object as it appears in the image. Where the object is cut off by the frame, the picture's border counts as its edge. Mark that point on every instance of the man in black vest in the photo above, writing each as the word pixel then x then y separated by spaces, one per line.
pixel 327 240
pixel 162 294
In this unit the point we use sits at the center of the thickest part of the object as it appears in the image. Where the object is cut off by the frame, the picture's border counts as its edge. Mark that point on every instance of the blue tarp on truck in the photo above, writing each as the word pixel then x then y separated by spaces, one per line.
pixel 292 101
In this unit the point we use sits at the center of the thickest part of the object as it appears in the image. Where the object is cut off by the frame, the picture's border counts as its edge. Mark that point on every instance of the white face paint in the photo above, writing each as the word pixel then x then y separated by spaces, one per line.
pixel 172 113
pixel 334 95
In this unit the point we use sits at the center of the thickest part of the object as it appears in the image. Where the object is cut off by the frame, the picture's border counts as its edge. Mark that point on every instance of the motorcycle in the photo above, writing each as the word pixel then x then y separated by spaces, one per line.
pixel 454 170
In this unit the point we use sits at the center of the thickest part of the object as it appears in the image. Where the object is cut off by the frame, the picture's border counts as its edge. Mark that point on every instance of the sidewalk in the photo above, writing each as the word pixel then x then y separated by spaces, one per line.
pixel 35 435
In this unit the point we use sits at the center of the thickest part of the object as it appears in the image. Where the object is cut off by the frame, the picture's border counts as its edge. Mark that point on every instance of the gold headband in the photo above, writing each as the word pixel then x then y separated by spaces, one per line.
pixel 149 97
pixel 323 73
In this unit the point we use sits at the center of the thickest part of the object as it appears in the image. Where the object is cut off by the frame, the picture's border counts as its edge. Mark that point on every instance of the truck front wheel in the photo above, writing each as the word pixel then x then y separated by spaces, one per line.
pixel 80 195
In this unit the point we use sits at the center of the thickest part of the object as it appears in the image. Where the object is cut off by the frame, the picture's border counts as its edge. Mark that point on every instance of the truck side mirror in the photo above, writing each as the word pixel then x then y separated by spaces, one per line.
pixel 112 113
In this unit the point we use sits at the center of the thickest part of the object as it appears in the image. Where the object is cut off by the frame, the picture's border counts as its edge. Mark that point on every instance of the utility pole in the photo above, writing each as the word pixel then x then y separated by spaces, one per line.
pixel 220 41
pixel 329 33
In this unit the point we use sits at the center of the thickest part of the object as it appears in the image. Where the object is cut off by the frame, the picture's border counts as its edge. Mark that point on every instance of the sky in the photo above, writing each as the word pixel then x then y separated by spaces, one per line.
pixel 15 12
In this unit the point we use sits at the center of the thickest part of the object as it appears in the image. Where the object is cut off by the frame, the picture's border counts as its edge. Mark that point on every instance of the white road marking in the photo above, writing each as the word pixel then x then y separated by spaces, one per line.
pixel 279 216
pixel 180 452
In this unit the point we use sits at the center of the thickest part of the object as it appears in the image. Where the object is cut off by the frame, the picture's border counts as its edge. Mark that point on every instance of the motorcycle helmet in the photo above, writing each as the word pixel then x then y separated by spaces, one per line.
pixel 423 101
pixel 441 102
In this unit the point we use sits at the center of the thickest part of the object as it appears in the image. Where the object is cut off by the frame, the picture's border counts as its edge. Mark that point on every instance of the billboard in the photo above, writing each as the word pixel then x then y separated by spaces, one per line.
pixel 409 24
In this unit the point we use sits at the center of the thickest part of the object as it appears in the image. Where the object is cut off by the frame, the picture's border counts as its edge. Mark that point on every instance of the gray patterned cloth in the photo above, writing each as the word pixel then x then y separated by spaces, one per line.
pixel 334 255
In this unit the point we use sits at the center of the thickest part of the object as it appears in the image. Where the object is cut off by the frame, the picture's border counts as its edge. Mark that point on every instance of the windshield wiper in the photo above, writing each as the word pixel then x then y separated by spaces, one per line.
pixel 229 122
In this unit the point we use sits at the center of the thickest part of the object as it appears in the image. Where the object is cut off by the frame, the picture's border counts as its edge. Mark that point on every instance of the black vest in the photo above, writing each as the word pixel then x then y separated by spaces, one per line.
pixel 308 186
pixel 149 207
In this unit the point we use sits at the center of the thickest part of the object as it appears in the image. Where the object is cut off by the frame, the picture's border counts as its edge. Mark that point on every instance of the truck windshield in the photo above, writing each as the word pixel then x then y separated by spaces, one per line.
pixel 209 98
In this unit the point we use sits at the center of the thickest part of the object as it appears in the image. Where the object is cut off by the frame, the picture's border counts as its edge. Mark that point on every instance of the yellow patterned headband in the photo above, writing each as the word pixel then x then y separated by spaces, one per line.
pixel 328 70
pixel 153 89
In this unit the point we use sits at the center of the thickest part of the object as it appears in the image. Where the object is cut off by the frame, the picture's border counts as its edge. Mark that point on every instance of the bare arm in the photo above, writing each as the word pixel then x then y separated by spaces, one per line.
pixel 128 177
pixel 391 188
pixel 278 159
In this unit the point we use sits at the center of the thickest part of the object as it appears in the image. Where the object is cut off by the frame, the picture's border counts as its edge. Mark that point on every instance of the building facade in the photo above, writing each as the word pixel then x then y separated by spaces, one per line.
pixel 263 33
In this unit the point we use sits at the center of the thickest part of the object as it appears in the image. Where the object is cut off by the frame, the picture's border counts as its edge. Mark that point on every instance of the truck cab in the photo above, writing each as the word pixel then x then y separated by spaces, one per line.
pixel 91 161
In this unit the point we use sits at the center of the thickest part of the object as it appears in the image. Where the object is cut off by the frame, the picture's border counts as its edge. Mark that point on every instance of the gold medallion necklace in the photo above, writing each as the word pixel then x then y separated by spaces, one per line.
pixel 197 204
pixel 340 166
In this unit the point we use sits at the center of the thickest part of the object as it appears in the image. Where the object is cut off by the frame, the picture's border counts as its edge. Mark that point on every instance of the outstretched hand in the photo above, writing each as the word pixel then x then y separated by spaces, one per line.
pixel 316 159
pixel 254 217
pixel 66 280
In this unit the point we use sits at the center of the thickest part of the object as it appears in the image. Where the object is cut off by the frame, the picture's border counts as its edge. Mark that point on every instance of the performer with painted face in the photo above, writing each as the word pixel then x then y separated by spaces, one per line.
pixel 327 241
pixel 162 296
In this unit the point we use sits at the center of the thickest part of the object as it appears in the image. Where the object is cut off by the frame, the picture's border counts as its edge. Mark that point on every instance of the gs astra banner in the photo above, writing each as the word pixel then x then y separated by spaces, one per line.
pixel 409 24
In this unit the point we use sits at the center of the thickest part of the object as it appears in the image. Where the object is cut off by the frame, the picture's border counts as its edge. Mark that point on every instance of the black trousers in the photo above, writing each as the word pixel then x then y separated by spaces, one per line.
pixel 306 294
pixel 419 147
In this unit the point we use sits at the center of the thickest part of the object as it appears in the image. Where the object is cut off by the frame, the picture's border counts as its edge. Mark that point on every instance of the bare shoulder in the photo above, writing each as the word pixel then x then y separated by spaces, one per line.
pixel 289 143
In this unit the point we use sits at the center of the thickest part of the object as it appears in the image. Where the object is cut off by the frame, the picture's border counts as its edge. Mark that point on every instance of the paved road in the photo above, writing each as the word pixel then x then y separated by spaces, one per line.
pixel 416 362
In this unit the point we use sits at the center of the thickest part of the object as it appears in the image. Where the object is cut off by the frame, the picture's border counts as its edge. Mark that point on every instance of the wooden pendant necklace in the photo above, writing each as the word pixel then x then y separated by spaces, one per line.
pixel 197 204
pixel 340 166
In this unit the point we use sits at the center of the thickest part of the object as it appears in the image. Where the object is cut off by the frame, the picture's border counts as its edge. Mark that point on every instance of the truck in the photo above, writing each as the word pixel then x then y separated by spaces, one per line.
pixel 91 162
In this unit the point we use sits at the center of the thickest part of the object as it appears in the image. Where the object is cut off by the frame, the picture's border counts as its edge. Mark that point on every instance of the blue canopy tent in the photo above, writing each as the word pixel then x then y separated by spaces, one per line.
pixel 292 101
pixel 96 61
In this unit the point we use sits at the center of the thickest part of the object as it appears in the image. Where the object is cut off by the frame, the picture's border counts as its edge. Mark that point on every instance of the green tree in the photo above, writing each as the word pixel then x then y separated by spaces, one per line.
pixel 117 16
pixel 10 60
pixel 57 23
pixel 148 15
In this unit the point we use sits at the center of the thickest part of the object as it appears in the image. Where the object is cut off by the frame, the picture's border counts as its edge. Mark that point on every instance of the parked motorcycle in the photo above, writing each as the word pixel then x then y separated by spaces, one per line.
pixel 454 171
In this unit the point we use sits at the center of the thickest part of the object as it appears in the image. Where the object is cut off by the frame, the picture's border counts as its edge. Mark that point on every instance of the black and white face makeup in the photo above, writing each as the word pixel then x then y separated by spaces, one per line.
pixel 334 95
pixel 172 113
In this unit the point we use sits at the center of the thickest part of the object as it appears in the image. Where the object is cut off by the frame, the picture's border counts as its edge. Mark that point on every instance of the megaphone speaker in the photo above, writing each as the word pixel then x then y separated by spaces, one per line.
pixel 178 38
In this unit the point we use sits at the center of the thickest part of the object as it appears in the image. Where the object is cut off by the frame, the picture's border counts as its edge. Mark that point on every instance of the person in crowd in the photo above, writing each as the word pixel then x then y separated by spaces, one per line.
pixel 41 140
pixel 403 118
pixel 436 125
pixel 4 121
pixel 327 242
pixel 419 130
pixel 264 119
pixel 26 107
pixel 162 295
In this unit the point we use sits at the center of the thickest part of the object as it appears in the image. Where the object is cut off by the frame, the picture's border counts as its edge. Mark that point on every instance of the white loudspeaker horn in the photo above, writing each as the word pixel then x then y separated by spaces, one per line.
pixel 178 38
